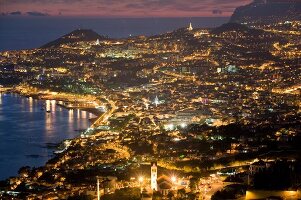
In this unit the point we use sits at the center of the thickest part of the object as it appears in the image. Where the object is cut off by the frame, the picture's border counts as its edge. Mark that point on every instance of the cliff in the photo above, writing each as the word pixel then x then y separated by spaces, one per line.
pixel 268 11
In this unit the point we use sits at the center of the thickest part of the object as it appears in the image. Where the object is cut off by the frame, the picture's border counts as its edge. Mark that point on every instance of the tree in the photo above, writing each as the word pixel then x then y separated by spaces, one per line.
pixel 191 196
pixel 157 196
pixel 181 193
pixel 24 171
pixel 80 197
pixel 193 184
pixel 21 187
pixel 170 195
pixel 124 194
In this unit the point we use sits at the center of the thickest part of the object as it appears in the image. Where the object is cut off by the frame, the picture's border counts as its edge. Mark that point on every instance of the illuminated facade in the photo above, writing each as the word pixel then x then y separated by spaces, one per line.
pixel 190 28
pixel 154 175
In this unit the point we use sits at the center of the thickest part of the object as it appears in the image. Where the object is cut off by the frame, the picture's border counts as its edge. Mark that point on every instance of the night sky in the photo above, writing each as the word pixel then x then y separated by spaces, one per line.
pixel 121 8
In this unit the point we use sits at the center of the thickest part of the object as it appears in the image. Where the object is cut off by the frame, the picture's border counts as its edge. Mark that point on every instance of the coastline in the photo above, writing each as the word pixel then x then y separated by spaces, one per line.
pixel 48 95
pixel 44 96
pixel 65 98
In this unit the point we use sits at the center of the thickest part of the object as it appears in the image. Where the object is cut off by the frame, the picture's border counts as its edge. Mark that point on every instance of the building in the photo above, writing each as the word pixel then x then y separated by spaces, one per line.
pixel 164 185
pixel 154 175
pixel 190 27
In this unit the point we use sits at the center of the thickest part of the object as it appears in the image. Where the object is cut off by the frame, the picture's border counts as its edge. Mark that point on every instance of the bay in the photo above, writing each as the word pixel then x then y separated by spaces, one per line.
pixel 27 131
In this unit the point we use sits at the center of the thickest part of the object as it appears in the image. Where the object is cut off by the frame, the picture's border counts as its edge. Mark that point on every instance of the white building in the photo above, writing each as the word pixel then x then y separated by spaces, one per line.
pixel 154 175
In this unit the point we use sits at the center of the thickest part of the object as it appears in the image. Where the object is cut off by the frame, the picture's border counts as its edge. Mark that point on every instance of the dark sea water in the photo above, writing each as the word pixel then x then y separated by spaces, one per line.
pixel 31 32
pixel 26 131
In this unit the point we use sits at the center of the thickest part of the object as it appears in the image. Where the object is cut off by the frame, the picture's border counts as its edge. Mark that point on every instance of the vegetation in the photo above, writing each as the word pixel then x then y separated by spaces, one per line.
pixel 123 194
pixel 230 192
pixel 281 175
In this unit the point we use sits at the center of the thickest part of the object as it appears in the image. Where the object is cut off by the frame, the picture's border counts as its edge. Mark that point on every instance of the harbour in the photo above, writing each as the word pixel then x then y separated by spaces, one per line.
pixel 26 130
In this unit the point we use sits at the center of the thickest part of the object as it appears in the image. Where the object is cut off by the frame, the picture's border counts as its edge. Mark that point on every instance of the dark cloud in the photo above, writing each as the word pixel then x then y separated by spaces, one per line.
pixel 217 12
pixel 36 14
pixel 15 13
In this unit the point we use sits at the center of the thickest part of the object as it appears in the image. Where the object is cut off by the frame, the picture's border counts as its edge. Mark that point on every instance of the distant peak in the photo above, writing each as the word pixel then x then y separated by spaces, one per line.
pixel 75 36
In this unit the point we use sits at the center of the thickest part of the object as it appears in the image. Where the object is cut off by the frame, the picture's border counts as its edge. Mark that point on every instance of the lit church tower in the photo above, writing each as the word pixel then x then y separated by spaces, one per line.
pixel 154 176
pixel 97 42
pixel 190 27
pixel 156 101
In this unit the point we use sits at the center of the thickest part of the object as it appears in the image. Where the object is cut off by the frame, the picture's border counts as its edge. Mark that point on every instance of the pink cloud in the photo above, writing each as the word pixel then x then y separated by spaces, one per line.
pixel 125 8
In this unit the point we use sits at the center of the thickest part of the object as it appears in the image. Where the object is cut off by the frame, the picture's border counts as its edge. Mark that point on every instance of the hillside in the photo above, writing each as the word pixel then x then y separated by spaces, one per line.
pixel 267 11
pixel 75 36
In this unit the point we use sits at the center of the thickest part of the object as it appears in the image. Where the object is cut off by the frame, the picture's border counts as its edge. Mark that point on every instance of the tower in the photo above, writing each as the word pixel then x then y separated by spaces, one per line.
pixel 98 192
pixel 154 176
pixel 190 27
pixel 156 101
pixel 97 42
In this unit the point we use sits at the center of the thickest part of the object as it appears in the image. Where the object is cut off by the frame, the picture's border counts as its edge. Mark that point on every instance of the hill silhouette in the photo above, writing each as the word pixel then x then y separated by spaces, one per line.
pixel 75 36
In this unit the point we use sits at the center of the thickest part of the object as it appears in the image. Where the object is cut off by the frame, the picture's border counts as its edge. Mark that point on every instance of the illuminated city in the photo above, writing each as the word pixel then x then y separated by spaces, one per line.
pixel 194 113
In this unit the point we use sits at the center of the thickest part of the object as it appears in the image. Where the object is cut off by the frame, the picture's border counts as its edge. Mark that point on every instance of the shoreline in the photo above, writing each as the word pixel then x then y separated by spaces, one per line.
pixel 63 97
pixel 44 97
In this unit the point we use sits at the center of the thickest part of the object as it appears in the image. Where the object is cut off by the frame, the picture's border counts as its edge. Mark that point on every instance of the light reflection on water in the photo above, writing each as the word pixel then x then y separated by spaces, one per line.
pixel 26 128
pixel 70 115
pixel 30 104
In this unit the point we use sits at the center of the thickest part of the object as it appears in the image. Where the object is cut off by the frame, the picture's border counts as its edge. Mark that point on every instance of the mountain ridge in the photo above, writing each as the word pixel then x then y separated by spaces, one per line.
pixel 267 11
pixel 75 36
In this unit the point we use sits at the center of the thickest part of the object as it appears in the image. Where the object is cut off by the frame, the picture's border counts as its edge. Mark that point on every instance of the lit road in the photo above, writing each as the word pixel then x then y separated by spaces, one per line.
pixel 103 119
pixel 207 192
pixel 211 186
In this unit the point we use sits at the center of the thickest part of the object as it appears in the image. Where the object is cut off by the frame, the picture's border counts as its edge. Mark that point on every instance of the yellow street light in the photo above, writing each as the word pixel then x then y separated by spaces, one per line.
pixel 173 179
pixel 140 179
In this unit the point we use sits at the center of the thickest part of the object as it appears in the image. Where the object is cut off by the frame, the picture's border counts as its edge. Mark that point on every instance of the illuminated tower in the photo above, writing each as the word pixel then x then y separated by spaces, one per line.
pixel 156 101
pixel 154 176
pixel 97 42
pixel 190 27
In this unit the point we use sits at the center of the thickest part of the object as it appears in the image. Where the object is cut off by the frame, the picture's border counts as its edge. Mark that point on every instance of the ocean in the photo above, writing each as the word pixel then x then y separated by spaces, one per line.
pixel 18 33
pixel 27 131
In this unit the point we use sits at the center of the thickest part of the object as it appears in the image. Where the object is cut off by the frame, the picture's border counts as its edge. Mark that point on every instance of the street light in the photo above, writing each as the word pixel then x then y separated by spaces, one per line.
pixel 140 179
pixel 174 180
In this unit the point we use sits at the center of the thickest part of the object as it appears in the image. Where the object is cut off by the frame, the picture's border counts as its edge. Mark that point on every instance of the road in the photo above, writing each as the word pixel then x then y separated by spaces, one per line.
pixel 211 185
pixel 207 192
pixel 103 119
